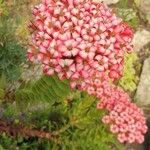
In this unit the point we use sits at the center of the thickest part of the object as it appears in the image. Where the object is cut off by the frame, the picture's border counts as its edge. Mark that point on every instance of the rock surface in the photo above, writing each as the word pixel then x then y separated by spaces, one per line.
pixel 107 1
pixel 145 8
pixel 143 90
pixel 141 38
pixel 134 147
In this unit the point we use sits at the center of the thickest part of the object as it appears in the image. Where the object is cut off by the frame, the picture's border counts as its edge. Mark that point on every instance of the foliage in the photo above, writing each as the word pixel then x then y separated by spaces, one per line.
pixel 49 89
pixel 129 16
pixel 3 10
pixel 71 117
pixel 137 2
pixel 2 86
pixel 9 143
pixel 1 148
pixel 22 31
pixel 22 18
pixel 89 132
pixel 12 54
pixel 129 80
pixel 74 123
pixel 127 11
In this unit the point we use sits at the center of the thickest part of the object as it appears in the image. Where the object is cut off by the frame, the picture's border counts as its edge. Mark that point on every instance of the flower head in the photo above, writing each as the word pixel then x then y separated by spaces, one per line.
pixel 76 38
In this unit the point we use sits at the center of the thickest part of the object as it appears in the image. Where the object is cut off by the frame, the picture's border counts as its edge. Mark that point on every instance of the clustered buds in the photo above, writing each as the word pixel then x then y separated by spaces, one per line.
pixel 125 118
pixel 82 41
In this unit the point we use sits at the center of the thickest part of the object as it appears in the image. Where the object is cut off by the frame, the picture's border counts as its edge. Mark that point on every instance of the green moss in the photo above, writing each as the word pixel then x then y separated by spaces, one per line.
pixel 130 78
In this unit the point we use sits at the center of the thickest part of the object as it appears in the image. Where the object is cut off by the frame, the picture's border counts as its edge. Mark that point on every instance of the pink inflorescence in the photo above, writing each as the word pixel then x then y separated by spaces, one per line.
pixel 125 118
pixel 85 42
pixel 75 38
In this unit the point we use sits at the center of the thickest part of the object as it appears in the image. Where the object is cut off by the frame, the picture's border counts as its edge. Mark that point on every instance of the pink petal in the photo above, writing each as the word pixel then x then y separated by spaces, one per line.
pixel 73 68
pixel 68 74
pixel 74 20
pixel 40 56
pixel 73 85
pixel 67 53
pixel 43 49
pixel 62 48
pixel 56 54
pixel 83 54
pixel 75 76
pixel 50 72
pixel 100 68
pixel 91 55
pixel 68 62
pixel 78 29
pixel 46 43
pixel 75 51
pixel 84 74
pixel 75 35
pixel 61 62
pixel 79 67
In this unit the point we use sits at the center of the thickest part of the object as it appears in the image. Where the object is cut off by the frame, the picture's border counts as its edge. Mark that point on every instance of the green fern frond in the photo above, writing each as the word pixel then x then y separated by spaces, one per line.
pixel 46 89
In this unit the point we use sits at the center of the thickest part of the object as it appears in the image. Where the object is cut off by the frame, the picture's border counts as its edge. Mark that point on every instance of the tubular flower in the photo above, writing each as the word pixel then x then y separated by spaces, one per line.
pixel 85 42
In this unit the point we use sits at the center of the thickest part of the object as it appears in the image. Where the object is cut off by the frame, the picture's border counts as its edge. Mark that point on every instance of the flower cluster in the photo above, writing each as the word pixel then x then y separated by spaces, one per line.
pixel 125 118
pixel 75 38
pixel 85 42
